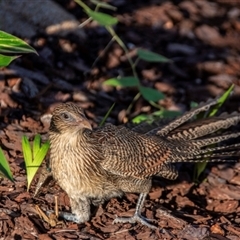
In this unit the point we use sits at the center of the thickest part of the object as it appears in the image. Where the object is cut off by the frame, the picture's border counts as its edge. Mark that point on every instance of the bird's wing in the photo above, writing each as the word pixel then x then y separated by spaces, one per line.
pixel 128 153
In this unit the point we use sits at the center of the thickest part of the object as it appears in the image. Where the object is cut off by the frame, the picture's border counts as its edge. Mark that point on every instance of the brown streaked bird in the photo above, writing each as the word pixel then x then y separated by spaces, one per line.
pixel 94 165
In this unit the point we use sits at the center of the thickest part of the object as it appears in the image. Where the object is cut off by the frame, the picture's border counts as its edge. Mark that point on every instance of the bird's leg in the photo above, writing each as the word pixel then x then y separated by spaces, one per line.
pixel 80 211
pixel 137 217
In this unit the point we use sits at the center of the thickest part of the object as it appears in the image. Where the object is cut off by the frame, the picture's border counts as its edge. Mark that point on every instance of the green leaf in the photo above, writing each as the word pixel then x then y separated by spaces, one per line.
pixel 151 94
pixel 39 153
pixel 140 118
pixel 36 145
pixel 107 114
pixel 27 152
pixel 122 82
pixel 103 19
pixel 4 166
pixel 6 60
pixel 151 56
pixel 103 5
pixel 200 166
pixel 193 104
pixel 12 45
pixel 221 100
pixel 155 116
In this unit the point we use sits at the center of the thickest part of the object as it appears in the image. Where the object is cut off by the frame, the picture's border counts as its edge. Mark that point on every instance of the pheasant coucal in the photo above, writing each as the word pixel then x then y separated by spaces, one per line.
pixel 94 165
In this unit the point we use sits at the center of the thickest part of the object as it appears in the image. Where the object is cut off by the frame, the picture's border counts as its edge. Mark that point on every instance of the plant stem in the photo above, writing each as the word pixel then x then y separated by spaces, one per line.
pixel 121 43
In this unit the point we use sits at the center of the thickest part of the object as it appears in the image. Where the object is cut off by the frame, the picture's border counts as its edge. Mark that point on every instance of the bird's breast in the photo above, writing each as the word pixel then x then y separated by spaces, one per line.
pixel 76 169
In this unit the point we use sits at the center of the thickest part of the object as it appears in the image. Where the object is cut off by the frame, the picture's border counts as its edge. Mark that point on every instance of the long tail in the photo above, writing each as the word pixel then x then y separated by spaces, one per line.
pixel 196 140
pixel 202 107
pixel 203 127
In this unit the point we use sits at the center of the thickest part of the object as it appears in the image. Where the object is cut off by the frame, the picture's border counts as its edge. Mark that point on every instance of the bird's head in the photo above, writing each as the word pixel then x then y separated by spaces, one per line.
pixel 68 117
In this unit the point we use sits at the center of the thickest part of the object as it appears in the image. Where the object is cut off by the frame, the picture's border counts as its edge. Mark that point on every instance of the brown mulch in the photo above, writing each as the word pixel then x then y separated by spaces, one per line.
pixel 202 39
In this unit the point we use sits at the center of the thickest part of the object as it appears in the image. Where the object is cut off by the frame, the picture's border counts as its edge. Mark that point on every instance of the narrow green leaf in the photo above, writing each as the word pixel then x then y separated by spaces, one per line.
pixel 151 56
pixel 36 145
pixel 151 94
pixel 122 82
pixel 221 100
pixel 6 60
pixel 200 166
pixel 103 5
pixel 4 166
pixel 34 166
pixel 27 152
pixel 10 44
pixel 107 114
pixel 41 154
pixel 103 19
pixel 31 171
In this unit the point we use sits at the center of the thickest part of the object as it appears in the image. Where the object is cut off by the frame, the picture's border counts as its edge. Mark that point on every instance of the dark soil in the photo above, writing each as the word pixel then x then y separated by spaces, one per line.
pixel 202 39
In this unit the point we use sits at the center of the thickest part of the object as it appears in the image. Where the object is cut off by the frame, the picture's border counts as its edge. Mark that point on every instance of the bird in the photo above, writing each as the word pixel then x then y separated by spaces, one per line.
pixel 93 165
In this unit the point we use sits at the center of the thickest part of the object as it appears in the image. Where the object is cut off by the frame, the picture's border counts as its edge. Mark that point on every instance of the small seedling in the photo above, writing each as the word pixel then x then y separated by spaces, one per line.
pixel 34 156
pixel 107 21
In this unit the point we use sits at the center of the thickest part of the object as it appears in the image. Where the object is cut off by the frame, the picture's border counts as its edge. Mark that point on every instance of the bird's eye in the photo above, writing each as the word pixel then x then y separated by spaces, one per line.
pixel 65 116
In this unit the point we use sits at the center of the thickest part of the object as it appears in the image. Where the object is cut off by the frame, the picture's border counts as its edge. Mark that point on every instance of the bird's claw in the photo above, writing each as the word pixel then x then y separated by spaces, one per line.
pixel 135 218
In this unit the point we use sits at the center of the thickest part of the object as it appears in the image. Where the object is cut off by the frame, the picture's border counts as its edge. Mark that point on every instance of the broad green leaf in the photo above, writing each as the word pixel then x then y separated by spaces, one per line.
pixel 102 18
pixel 6 60
pixel 151 56
pixel 155 116
pixel 12 45
pixel 103 5
pixel 151 94
pixel 140 118
pixel 4 166
pixel 36 145
pixel 107 114
pixel 122 82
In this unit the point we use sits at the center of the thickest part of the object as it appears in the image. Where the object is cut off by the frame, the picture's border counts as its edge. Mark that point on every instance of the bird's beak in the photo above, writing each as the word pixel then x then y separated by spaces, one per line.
pixel 86 124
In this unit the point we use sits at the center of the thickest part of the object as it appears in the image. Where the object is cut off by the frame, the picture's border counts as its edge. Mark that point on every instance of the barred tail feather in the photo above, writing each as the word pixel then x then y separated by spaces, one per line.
pixel 202 107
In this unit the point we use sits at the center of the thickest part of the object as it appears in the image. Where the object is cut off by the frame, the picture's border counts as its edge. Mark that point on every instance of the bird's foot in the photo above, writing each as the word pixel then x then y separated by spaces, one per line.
pixel 135 218
pixel 68 216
